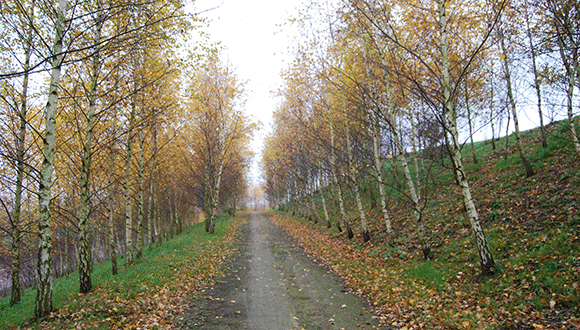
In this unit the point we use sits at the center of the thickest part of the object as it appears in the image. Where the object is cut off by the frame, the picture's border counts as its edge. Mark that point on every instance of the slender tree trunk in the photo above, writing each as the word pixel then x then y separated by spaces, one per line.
pixel 216 188
pixel 207 196
pixel 486 258
pixel 507 136
pixel 374 118
pixel 141 206
pixel 68 265
pixel 378 167
pixel 571 71
pixel 127 188
pixel 15 290
pixel 512 103
pixel 320 188
pixel 413 190
pixel 415 195
pixel 85 258
pixel 111 191
pixel 537 87
pixel 354 182
pixel 43 305
pixel 345 220
pixel 469 122
pixel 153 206
pixel 324 207
pixel 311 182
pixel 416 152
pixel 491 112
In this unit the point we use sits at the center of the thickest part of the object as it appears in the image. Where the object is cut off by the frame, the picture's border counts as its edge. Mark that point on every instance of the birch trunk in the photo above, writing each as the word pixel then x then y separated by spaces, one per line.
pixel 15 289
pixel 379 175
pixel 207 194
pixel 415 195
pixel 216 189
pixel 486 258
pixel 43 304
pixel 413 190
pixel 345 220
pixel 324 207
pixel 313 207
pixel 571 71
pixel 141 206
pixel 374 118
pixel 153 206
pixel 111 192
pixel 537 87
pixel 512 103
pixel 470 124
pixel 353 178
pixel 491 113
pixel 85 258
pixel 127 188
pixel 418 156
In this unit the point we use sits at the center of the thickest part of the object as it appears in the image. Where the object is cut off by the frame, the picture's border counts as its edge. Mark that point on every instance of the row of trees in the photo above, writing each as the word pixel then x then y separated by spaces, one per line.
pixel 139 130
pixel 378 88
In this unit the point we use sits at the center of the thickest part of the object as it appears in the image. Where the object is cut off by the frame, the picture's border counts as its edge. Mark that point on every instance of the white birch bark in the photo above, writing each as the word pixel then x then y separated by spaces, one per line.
pixel 15 289
pixel 354 179
pixel 43 305
pixel 324 207
pixel 153 215
pixel 469 122
pixel 140 187
pixel 378 167
pixel 85 258
pixel 111 192
pixel 512 103
pixel 345 220
pixel 571 71
pixel 216 188
pixel 486 258
pixel 127 188
pixel 533 57
pixel 374 119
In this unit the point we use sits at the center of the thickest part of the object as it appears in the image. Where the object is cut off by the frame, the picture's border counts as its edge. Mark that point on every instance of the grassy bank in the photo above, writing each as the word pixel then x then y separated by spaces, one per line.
pixel 532 225
pixel 149 293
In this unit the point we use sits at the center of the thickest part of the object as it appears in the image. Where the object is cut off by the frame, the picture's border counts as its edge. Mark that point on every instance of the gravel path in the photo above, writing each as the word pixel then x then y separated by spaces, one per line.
pixel 271 284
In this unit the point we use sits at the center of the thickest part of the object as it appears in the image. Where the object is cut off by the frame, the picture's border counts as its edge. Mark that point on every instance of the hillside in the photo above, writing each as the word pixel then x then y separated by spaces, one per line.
pixel 532 225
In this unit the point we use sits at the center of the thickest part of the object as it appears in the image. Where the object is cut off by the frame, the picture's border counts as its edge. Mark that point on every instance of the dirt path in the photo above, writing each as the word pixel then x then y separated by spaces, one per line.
pixel 272 284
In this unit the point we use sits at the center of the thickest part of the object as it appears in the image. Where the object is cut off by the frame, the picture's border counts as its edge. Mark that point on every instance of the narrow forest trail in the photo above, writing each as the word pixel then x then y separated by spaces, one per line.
pixel 271 284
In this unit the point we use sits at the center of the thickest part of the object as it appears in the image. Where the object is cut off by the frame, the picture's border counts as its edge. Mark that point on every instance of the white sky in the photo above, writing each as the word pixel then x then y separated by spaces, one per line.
pixel 256 46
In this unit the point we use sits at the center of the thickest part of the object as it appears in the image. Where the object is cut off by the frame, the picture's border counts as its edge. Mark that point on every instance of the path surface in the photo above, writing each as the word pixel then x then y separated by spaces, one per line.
pixel 272 284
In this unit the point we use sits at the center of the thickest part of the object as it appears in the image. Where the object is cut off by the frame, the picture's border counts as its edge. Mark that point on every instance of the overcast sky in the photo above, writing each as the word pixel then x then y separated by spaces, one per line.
pixel 255 45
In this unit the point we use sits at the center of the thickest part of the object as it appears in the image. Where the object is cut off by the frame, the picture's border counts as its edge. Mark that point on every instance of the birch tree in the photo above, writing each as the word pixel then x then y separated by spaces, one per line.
pixel 20 107
pixel 43 304
pixel 450 115
pixel 216 101
pixel 84 207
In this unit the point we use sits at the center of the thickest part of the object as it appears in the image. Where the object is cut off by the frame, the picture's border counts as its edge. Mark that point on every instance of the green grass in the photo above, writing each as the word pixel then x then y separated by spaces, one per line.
pixel 155 269
pixel 531 225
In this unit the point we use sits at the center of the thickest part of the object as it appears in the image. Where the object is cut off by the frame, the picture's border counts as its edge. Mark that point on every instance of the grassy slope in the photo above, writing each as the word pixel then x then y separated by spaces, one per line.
pixel 533 227
pixel 149 293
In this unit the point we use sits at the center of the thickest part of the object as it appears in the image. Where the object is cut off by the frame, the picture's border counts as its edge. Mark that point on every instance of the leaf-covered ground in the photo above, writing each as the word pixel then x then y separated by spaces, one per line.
pixel 532 225
pixel 148 294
